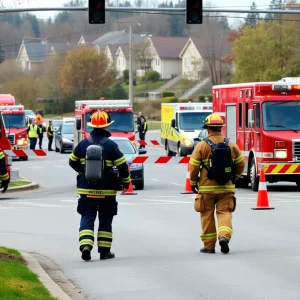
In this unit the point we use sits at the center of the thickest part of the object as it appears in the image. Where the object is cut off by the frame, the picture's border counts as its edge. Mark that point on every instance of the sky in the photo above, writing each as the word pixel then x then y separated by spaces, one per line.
pixel 237 4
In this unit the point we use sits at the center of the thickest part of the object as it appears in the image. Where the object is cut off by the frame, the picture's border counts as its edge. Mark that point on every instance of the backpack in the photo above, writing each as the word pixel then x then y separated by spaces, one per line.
pixel 95 159
pixel 221 165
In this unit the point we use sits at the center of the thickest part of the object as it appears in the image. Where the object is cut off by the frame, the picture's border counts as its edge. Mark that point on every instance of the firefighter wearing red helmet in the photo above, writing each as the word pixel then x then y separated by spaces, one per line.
pixel 220 163
pixel 100 196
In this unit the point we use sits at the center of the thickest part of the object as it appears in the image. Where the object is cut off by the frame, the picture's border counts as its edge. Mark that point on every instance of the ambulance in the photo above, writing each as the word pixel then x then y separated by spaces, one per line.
pixel 120 111
pixel 14 119
pixel 262 118
pixel 180 124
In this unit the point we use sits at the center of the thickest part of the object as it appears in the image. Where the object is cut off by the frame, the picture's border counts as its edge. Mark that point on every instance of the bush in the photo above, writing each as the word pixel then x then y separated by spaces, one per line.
pixel 167 94
pixel 150 109
pixel 118 92
pixel 201 98
pixel 152 76
pixel 169 99
pixel 126 75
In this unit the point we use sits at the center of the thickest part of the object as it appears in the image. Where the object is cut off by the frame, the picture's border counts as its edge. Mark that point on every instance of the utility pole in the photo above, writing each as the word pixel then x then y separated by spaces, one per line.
pixel 130 61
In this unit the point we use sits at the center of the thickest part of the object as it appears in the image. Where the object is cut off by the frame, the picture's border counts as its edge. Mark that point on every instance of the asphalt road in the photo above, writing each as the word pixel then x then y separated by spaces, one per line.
pixel 156 238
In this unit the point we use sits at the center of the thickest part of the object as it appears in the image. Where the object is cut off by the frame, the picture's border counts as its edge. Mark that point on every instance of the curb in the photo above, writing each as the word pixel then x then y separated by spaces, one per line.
pixel 54 289
pixel 27 187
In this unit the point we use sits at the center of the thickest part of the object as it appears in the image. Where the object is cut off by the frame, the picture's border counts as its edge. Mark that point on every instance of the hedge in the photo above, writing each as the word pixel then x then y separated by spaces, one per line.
pixel 169 100
pixel 201 98
pixel 168 94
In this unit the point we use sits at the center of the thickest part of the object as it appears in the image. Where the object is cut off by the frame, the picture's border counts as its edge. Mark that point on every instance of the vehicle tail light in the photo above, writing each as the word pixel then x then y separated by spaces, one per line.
pixel 279 144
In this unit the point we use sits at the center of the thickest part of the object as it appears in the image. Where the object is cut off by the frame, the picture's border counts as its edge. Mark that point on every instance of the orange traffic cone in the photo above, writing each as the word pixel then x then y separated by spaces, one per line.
pixel 130 189
pixel 262 196
pixel 188 187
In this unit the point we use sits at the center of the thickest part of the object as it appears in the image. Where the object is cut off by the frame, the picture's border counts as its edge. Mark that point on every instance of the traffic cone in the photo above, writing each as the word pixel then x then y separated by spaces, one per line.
pixel 130 189
pixel 262 196
pixel 188 187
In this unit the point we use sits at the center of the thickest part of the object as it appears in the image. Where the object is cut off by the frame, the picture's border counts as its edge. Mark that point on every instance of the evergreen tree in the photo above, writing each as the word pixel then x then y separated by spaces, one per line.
pixel 2 57
pixel 118 92
pixel 253 17
pixel 274 4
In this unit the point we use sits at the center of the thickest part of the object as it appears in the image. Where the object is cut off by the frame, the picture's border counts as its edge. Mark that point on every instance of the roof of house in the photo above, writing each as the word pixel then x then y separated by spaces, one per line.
pixel 169 47
pixel 113 49
pixel 89 38
pixel 39 49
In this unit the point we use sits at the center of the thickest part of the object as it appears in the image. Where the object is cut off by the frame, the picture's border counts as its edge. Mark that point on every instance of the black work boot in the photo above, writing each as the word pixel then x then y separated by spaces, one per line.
pixel 205 250
pixel 86 253
pixel 224 245
pixel 107 255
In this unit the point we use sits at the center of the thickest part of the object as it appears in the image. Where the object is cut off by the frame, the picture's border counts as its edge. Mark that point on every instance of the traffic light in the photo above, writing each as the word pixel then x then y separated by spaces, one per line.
pixel 97 11
pixel 194 13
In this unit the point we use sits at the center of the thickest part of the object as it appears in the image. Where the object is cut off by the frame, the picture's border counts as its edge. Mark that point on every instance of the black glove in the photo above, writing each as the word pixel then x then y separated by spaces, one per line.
pixel 78 206
pixel 195 189
pixel 4 185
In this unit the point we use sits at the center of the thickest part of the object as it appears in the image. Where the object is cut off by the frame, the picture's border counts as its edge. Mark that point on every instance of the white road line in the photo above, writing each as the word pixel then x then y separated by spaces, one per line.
pixel 166 201
pixel 36 167
pixel 71 201
pixel 153 179
pixel 175 183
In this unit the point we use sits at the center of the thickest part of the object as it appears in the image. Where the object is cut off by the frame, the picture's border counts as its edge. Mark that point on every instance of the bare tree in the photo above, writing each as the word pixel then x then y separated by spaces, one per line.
pixel 213 47
pixel 142 51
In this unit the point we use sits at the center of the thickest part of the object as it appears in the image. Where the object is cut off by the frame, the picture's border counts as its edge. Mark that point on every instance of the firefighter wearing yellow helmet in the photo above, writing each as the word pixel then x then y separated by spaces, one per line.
pixel 97 185
pixel 220 163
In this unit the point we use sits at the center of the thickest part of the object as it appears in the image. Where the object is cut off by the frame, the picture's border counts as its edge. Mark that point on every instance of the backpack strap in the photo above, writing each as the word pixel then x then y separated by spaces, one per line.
pixel 101 142
pixel 210 143
pixel 226 140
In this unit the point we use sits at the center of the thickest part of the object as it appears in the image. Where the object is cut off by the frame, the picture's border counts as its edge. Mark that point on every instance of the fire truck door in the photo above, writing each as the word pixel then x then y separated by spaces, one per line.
pixel 255 135
pixel 231 122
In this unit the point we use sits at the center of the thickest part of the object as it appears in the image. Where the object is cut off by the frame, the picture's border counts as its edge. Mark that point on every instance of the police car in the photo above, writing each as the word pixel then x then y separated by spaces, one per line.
pixel 130 152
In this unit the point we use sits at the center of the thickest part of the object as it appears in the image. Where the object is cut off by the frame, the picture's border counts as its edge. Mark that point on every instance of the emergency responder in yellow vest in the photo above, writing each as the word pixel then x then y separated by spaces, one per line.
pixel 4 177
pixel 100 196
pixel 210 194
pixel 33 133
pixel 50 136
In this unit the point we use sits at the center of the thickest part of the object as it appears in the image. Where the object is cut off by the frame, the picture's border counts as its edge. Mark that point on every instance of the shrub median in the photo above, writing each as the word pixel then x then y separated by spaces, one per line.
pixel 17 281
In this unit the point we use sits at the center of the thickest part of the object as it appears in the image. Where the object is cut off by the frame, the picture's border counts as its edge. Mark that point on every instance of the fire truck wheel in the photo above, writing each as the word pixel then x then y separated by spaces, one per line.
pixel 254 179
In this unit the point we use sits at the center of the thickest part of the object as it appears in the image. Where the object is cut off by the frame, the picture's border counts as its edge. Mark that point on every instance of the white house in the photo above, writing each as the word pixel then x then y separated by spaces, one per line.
pixel 164 53
pixel 111 53
pixel 122 59
pixel 191 59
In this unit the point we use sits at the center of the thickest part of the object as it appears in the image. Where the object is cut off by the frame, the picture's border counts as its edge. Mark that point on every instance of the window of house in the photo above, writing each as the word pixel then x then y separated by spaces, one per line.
pixel 186 61
pixel 240 115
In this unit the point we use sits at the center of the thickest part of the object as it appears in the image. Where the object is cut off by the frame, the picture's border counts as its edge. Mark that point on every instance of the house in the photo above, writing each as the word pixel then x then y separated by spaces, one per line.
pixel 87 39
pixel 163 52
pixel 34 52
pixel 110 51
pixel 122 60
pixel 196 56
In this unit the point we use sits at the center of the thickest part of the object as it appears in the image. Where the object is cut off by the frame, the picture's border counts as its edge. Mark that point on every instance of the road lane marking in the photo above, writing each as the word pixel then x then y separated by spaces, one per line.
pixel 175 183
pixel 167 201
pixel 153 179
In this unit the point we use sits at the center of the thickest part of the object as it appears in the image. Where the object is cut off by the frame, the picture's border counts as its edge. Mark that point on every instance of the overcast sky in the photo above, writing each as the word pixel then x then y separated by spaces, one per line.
pixel 244 4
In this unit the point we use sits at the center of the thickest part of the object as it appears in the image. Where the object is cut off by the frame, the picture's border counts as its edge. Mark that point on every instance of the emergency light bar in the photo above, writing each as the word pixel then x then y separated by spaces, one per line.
pixel 107 106
pixel 285 87
pixel 98 104
pixel 205 107
pixel 11 107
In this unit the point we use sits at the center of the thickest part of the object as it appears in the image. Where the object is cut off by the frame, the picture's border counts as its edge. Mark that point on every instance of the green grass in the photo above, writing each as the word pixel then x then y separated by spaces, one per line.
pixel 17 281
pixel 53 116
pixel 152 125
pixel 144 87
pixel 18 183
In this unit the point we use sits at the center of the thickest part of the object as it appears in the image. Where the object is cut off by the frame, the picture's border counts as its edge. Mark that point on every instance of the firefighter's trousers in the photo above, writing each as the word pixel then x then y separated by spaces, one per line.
pixel 224 204
pixel 89 208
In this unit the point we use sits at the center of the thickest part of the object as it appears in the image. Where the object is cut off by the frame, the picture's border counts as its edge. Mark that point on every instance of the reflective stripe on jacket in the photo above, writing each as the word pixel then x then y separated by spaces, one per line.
pixel 202 153
pixel 3 171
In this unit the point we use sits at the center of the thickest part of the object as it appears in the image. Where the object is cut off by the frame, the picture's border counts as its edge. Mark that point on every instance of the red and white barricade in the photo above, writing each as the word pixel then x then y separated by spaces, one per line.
pixel 142 159
pixel 149 143
pixel 22 153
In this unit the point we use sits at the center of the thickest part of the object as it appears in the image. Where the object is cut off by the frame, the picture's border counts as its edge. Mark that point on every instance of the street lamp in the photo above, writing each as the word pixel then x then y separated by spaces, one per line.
pixel 130 60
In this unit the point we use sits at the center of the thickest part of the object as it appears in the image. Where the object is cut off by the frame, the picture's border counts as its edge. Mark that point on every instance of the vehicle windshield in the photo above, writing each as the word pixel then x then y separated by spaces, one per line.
pixel 14 120
pixel 56 123
pixel 192 120
pixel 29 113
pixel 125 146
pixel 123 122
pixel 281 115
pixel 68 128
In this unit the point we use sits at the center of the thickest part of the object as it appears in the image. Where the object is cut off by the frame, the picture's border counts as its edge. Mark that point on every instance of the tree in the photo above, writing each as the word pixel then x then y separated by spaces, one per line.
pixel 266 52
pixel 85 72
pixel 274 4
pixel 2 57
pixel 142 51
pixel 118 93
pixel 252 18
pixel 213 47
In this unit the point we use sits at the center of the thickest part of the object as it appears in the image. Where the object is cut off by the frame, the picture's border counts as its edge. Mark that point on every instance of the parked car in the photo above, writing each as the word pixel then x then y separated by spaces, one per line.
pixel 202 135
pixel 30 114
pixel 64 136
pixel 130 152
pixel 56 124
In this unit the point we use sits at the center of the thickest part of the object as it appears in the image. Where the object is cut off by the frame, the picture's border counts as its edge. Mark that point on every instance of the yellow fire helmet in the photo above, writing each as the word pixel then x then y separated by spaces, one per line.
pixel 213 120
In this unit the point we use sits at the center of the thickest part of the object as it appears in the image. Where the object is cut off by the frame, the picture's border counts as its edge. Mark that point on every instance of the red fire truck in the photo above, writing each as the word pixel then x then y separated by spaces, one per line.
pixel 262 118
pixel 120 111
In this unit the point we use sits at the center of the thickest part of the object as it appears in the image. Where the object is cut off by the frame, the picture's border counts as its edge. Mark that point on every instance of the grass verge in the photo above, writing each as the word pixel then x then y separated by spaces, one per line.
pixel 17 281
pixel 152 125
pixel 19 183
pixel 144 87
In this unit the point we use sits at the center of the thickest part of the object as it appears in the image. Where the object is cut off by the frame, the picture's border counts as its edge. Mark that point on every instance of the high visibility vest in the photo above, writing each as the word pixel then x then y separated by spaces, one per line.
pixel 49 126
pixel 33 131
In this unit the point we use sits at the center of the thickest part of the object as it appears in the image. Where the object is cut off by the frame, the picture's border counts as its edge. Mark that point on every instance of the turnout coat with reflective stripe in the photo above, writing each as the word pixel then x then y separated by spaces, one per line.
pixel 202 153
pixel 3 171
pixel 113 157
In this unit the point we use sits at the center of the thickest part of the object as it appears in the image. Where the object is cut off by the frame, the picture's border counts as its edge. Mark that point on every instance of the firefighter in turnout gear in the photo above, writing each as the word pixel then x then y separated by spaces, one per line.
pixel 4 177
pixel 99 196
pixel 211 194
